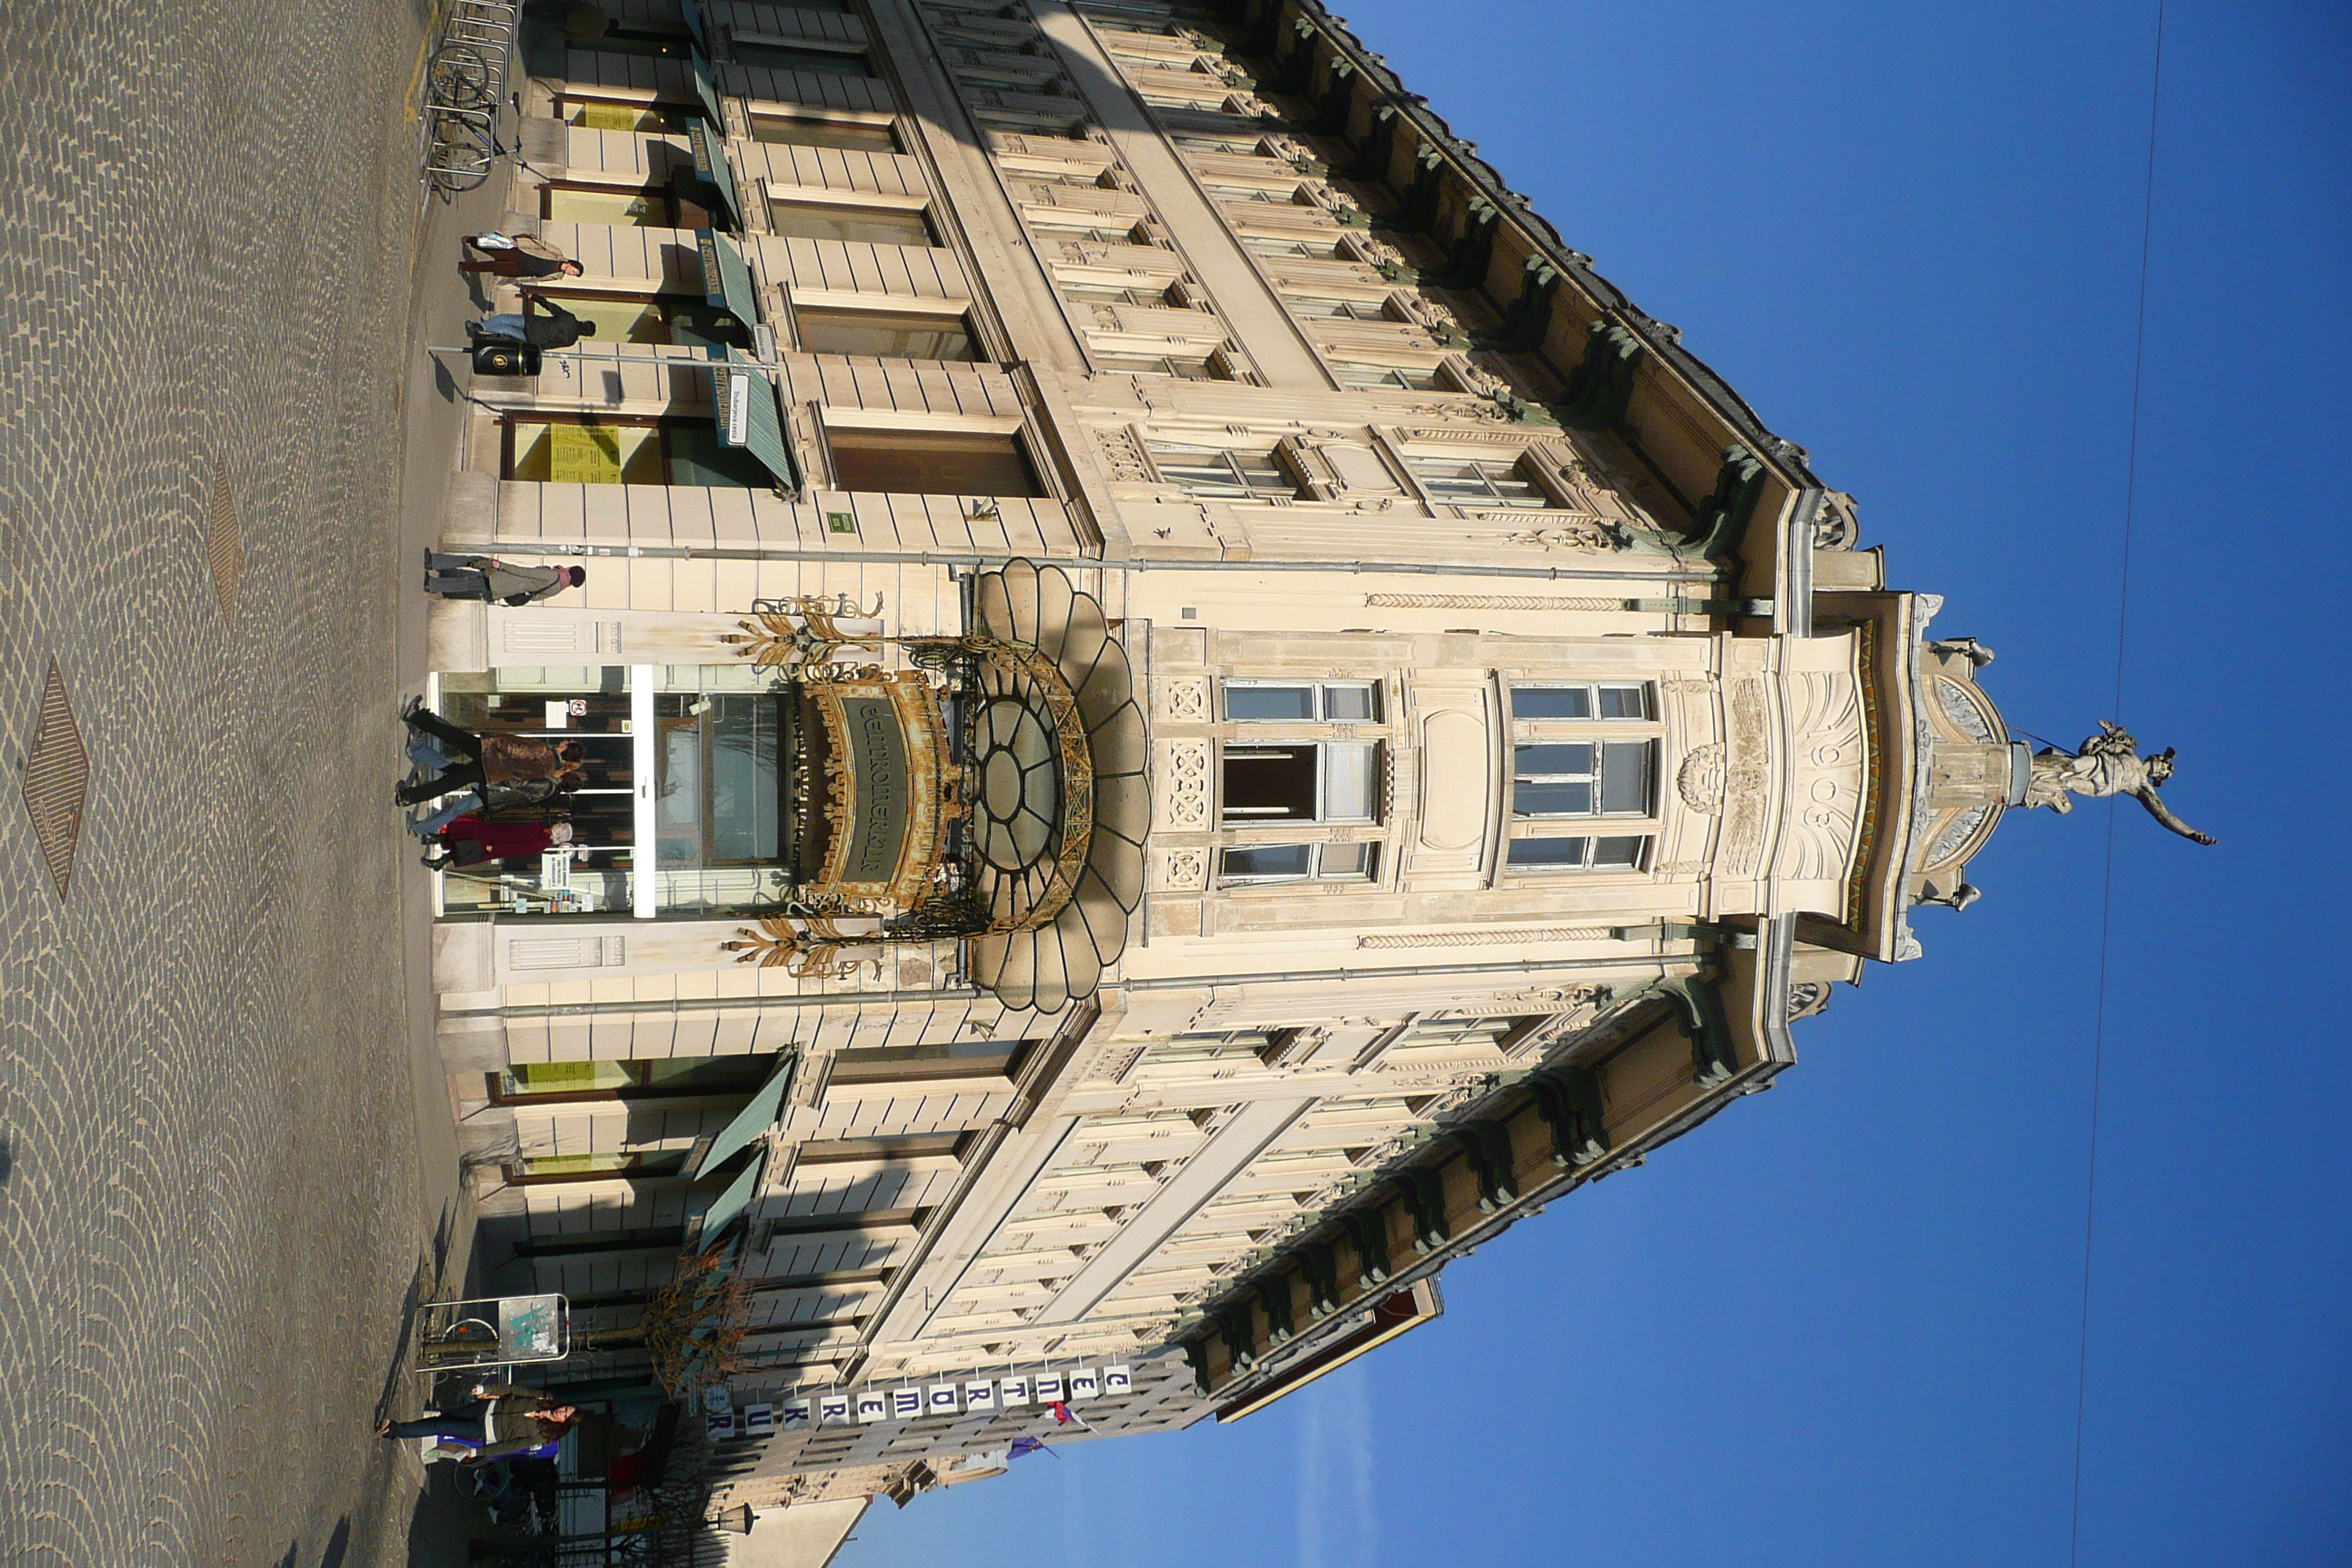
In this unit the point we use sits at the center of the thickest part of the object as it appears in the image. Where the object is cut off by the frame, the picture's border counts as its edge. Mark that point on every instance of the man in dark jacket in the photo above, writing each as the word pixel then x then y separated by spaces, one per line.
pixel 485 577
pixel 553 328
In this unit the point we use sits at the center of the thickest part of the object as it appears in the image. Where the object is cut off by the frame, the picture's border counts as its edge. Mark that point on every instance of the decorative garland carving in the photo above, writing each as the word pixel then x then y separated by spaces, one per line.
pixel 1485 937
pixel 1485 601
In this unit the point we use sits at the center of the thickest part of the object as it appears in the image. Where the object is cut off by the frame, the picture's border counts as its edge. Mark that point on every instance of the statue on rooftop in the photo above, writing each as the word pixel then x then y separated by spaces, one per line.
pixel 2109 763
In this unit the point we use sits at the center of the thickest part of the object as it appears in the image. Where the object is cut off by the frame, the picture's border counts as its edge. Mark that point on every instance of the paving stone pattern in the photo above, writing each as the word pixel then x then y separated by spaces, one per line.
pixel 209 1191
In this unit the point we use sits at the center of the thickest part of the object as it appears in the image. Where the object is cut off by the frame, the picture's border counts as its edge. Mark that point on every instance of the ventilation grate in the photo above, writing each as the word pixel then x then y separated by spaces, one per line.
pixel 224 542
pixel 56 781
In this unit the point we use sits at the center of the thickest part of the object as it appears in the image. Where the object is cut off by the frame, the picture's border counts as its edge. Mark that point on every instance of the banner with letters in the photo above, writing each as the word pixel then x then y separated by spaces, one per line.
pixel 949 1396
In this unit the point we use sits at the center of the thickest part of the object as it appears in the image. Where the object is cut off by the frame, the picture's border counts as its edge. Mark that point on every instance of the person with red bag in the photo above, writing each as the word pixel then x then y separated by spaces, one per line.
pixel 472 840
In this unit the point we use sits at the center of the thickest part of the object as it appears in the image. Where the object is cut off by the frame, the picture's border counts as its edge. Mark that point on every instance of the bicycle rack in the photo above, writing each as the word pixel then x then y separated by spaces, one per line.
pixel 464 83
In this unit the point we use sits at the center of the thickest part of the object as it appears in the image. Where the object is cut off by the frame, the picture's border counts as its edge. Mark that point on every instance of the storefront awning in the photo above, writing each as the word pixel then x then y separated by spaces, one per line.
pixel 748 417
pixel 706 87
pixel 709 139
pixel 727 276
pixel 755 1118
pixel 727 1205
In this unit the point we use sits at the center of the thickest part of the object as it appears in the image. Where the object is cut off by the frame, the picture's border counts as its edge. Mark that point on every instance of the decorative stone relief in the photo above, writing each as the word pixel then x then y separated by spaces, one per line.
pixel 1186 699
pixel 1485 601
pixel 1187 785
pixel 1689 683
pixel 1835 526
pixel 1744 778
pixel 1826 755
pixel 1699 781
pixel 1581 533
pixel 1185 871
pixel 1808 997
pixel 1485 937
pixel 1124 451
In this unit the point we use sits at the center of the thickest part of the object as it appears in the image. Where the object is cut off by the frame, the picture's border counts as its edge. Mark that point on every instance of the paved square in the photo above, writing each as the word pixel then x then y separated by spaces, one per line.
pixel 210 1195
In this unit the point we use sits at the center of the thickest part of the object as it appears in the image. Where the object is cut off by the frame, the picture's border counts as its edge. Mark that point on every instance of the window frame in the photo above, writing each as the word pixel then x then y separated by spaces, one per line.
pixel 662 424
pixel 1319 701
pixel 673 206
pixel 1367 873
pixel 783 200
pixel 1229 752
pixel 959 320
pixel 1179 454
pixel 844 122
pixel 1513 467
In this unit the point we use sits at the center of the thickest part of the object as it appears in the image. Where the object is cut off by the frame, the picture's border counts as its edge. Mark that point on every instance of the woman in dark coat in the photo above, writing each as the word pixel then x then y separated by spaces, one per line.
pixel 502 1418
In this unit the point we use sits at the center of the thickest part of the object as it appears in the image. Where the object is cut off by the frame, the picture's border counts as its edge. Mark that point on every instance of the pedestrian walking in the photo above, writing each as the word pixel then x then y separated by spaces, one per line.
pixel 486 577
pixel 515 795
pixel 520 256
pixel 553 328
pixel 502 1418
pixel 489 760
pixel 472 840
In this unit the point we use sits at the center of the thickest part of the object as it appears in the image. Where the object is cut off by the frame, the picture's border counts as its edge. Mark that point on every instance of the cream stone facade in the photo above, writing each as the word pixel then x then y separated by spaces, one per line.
pixel 1188 716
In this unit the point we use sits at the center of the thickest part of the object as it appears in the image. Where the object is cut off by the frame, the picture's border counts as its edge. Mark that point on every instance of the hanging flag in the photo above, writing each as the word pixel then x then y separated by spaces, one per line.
pixel 1062 1413
pixel 1021 1447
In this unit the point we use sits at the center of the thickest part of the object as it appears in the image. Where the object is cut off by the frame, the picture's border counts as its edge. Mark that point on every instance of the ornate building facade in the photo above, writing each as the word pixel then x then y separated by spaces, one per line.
pixel 1188 715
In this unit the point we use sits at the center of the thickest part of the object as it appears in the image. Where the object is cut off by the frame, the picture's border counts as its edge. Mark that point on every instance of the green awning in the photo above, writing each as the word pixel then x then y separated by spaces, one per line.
pixel 692 13
pixel 726 276
pixel 755 1119
pixel 727 1205
pixel 710 142
pixel 705 86
pixel 748 417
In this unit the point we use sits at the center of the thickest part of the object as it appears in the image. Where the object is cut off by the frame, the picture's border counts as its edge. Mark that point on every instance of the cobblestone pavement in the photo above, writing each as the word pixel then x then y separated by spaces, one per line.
pixel 211 1204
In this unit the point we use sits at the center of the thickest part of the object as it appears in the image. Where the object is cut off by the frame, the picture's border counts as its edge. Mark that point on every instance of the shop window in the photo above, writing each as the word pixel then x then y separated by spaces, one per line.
pixel 905 1146
pixel 1300 781
pixel 1477 482
pixel 620 207
pixel 1554 701
pixel 573 449
pixel 931 462
pixel 684 318
pixel 1581 778
pixel 1297 863
pixel 539 1169
pixel 617 114
pixel 886 334
pixel 851 221
pixel 547 1083
pixel 984 1059
pixel 802 56
pixel 845 135
pixel 1325 701
pixel 642 39
pixel 1404 377
pixel 1612 854
pixel 721 786
pixel 1220 471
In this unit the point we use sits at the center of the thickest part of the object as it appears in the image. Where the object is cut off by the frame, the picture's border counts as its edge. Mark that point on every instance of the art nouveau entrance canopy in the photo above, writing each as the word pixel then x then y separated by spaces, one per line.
pixel 995 792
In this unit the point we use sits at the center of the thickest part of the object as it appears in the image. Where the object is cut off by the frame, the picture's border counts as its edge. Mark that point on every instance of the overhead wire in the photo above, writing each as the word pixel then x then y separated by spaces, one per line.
pixel 2107 887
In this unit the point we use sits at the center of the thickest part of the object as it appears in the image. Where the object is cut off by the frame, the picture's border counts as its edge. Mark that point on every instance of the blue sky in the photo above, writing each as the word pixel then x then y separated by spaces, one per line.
pixel 1840 1324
